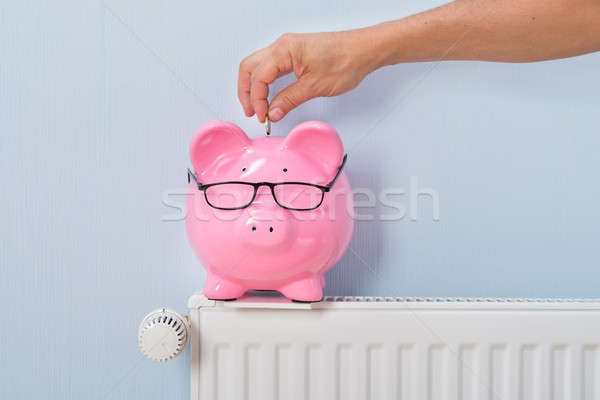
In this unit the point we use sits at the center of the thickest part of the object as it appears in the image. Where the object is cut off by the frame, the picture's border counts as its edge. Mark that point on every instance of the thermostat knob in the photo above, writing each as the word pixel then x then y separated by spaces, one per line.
pixel 163 334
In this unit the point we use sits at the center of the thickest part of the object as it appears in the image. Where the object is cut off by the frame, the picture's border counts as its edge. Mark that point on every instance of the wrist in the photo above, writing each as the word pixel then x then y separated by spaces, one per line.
pixel 370 48
pixel 405 40
pixel 386 41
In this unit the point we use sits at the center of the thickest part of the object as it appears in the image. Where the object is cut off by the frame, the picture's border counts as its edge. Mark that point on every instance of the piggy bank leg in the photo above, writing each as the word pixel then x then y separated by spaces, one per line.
pixel 304 290
pixel 217 288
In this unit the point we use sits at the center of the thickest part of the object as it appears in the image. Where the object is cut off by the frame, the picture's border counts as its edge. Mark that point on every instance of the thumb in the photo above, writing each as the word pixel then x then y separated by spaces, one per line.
pixel 290 98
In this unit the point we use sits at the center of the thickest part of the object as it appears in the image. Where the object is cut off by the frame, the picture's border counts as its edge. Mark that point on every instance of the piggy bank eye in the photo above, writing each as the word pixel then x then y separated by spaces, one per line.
pixel 285 170
pixel 243 169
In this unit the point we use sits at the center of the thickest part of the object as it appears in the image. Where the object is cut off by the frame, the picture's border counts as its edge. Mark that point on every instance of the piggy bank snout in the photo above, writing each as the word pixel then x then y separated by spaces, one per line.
pixel 264 229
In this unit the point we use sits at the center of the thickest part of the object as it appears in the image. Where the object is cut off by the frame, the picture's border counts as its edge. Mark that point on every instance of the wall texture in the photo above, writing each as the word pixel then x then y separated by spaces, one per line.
pixel 98 101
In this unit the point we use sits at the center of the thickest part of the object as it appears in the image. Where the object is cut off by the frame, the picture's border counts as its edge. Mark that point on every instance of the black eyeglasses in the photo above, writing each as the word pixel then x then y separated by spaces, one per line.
pixel 235 195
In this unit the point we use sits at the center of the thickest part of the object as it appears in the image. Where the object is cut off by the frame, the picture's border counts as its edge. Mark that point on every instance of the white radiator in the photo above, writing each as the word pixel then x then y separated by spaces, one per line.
pixel 389 348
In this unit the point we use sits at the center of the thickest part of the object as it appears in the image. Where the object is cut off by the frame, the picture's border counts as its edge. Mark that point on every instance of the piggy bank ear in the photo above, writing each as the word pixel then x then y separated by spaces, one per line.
pixel 215 143
pixel 318 141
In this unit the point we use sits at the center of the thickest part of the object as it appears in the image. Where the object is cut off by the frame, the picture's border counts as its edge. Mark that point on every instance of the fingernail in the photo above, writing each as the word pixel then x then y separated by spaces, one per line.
pixel 275 114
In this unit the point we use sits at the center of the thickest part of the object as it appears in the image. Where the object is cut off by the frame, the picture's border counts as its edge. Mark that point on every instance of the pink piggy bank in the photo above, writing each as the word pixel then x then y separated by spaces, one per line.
pixel 270 213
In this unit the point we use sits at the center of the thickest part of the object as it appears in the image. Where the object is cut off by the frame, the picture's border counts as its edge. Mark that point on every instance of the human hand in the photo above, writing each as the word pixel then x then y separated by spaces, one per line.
pixel 325 64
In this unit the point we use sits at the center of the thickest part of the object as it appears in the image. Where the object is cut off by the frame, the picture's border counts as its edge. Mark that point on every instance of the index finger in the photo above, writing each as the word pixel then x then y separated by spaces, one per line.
pixel 246 67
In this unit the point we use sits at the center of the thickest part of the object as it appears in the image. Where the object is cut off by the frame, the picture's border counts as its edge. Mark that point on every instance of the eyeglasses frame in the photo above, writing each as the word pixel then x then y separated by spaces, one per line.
pixel 271 185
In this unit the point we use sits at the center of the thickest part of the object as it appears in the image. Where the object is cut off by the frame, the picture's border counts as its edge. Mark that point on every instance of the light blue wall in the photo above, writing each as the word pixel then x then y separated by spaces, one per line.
pixel 98 103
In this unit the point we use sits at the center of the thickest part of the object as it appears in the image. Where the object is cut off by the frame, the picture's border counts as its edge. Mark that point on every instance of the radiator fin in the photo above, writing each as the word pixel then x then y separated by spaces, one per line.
pixel 405 367
pixel 438 372
pixel 343 371
pixel 499 378
pixel 467 372
pixel 591 377
pixel 529 372
pixel 559 380
pixel 283 371
pixel 376 372
pixel 314 367
pixel 251 372
pixel 221 370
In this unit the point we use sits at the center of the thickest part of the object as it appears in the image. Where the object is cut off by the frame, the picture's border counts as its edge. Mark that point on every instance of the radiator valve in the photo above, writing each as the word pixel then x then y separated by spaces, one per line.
pixel 163 334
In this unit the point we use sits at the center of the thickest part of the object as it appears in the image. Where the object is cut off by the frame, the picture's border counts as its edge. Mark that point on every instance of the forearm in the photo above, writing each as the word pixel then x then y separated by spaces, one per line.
pixel 488 30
